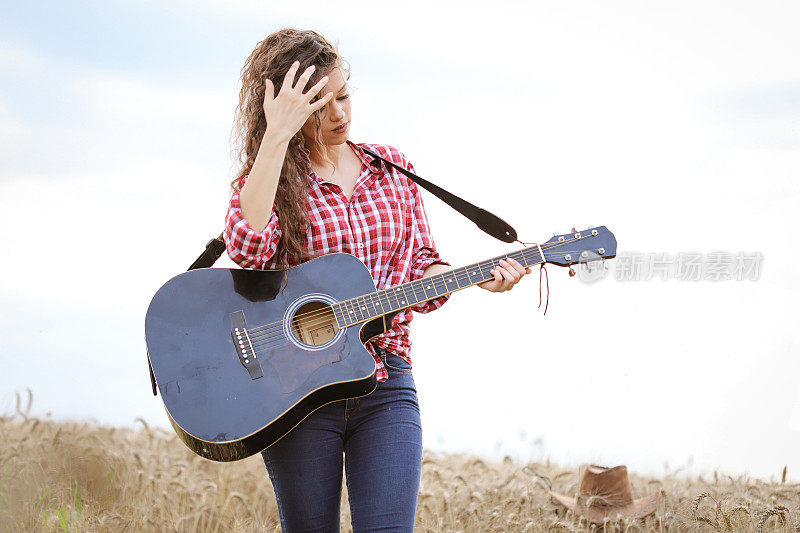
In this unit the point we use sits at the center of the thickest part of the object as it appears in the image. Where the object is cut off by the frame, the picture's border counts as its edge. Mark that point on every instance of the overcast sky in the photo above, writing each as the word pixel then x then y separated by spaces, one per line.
pixel 675 125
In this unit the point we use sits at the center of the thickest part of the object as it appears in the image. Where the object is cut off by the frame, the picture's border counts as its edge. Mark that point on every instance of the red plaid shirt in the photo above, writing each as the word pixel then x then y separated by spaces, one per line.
pixel 383 224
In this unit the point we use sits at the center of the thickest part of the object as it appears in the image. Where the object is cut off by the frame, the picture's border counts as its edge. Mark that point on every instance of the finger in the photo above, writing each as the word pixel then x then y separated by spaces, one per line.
pixel 288 79
pixel 319 104
pixel 304 77
pixel 312 92
pixel 503 285
pixel 505 280
pixel 515 277
pixel 509 273
pixel 269 90
pixel 517 266
pixel 514 271
pixel 498 280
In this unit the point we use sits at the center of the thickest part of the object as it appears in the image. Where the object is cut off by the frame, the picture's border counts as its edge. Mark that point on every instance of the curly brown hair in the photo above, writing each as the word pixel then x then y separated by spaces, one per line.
pixel 271 59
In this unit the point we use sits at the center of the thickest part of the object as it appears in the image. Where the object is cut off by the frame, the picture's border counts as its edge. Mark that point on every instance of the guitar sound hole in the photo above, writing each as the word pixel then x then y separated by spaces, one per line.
pixel 314 323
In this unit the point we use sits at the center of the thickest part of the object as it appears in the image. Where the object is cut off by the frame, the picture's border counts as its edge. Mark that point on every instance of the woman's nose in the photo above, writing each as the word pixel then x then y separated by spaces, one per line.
pixel 338 112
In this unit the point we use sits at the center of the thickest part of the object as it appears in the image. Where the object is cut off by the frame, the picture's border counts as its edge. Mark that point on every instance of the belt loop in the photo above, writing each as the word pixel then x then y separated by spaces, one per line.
pixel 384 353
pixel 349 406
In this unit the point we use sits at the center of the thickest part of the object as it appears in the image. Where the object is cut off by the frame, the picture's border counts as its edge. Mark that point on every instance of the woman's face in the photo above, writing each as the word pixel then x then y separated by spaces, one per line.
pixel 335 114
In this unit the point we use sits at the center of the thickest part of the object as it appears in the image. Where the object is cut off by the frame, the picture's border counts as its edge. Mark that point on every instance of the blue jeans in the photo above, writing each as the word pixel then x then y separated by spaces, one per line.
pixel 380 436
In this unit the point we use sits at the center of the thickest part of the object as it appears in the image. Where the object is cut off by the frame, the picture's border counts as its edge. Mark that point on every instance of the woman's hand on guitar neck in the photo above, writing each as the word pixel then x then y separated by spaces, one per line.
pixel 506 275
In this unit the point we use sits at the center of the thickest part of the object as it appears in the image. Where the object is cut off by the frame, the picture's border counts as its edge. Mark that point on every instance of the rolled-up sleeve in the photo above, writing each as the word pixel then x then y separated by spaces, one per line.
pixel 423 248
pixel 245 246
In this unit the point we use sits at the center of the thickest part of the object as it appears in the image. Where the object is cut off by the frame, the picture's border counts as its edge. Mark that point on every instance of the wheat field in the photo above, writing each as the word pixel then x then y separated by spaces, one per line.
pixel 67 476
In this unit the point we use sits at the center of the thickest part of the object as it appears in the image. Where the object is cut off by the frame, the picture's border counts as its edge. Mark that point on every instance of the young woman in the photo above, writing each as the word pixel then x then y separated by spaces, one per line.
pixel 305 190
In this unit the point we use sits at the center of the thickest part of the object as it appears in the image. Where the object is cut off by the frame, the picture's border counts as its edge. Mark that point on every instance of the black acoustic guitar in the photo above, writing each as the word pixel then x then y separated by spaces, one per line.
pixel 242 356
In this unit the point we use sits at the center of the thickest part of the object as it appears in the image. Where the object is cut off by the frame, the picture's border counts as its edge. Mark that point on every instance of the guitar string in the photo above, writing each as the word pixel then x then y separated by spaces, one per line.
pixel 375 300
pixel 275 341
pixel 372 296
pixel 327 315
pixel 259 330
pixel 547 246
pixel 324 315
pixel 372 301
pixel 280 339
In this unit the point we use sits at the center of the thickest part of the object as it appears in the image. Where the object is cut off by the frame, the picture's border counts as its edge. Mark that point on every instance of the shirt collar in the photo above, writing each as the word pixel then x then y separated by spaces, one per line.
pixel 373 165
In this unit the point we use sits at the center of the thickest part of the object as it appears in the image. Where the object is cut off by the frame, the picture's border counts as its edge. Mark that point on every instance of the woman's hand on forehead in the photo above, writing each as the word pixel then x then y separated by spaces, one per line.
pixel 287 111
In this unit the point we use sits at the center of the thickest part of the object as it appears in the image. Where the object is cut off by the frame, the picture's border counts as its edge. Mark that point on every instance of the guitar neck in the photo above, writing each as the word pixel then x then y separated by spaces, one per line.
pixel 379 303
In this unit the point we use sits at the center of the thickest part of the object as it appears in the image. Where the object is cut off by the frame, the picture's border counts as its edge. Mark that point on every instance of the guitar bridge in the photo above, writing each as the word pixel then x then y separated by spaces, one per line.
pixel 244 345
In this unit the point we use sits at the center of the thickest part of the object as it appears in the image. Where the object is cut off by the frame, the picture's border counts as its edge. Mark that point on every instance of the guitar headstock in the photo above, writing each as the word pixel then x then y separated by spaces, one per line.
pixel 575 247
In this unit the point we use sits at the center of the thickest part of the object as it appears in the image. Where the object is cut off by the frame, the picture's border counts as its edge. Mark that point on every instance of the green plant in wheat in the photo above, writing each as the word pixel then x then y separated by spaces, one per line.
pixel 61 513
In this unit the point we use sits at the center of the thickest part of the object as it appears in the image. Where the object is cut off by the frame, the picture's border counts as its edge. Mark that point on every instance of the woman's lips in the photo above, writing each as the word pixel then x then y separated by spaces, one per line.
pixel 341 128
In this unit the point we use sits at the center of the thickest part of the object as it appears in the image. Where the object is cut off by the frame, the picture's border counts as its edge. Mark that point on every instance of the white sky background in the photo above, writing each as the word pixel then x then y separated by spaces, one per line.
pixel 677 126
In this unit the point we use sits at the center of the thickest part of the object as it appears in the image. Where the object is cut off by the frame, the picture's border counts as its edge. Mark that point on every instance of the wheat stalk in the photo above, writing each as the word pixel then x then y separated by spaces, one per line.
pixel 779 511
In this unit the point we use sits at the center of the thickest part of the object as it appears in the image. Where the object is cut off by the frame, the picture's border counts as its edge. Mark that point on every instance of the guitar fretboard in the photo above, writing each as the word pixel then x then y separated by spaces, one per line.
pixel 375 304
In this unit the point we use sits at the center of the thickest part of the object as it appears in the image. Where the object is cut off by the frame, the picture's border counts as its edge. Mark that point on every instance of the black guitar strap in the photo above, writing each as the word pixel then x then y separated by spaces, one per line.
pixel 486 221
pixel 214 249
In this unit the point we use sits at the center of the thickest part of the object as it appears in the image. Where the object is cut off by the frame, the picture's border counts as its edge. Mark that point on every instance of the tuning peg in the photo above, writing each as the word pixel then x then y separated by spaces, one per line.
pixel 571 271
pixel 573 230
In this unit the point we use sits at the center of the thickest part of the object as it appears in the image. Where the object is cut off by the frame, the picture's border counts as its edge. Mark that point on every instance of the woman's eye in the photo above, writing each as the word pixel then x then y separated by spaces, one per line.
pixel 345 97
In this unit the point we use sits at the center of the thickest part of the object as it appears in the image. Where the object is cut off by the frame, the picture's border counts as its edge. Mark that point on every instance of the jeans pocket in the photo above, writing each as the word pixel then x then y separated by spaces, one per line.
pixel 394 363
